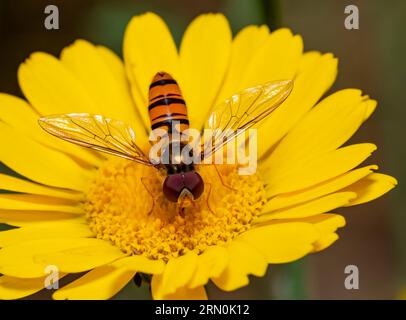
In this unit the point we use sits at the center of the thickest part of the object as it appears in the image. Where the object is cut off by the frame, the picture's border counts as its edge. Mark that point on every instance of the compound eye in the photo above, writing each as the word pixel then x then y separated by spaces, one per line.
pixel 194 183
pixel 172 187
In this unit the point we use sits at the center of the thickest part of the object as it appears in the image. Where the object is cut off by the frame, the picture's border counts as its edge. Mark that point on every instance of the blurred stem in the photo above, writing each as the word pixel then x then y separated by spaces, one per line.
pixel 296 273
pixel 272 13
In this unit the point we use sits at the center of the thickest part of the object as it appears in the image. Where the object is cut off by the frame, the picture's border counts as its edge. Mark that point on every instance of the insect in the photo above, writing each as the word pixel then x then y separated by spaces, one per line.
pixel 167 106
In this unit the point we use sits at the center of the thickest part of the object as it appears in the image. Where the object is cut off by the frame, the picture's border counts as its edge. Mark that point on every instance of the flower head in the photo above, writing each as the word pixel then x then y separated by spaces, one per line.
pixel 81 211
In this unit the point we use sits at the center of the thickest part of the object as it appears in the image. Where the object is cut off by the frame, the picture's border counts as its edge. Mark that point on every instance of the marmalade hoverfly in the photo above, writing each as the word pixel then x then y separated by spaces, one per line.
pixel 166 106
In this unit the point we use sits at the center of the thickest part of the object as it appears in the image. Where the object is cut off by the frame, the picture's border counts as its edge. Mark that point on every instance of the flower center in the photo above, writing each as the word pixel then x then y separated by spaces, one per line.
pixel 126 206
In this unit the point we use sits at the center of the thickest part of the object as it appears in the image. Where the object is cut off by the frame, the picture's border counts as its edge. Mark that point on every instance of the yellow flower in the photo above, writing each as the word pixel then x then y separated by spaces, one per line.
pixel 79 211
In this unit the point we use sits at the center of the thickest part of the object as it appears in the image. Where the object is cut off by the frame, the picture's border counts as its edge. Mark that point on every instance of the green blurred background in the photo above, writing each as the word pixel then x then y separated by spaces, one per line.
pixel 371 58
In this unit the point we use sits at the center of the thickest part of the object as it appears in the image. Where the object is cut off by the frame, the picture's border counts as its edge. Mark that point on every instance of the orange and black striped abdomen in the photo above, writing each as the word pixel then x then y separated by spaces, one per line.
pixel 166 103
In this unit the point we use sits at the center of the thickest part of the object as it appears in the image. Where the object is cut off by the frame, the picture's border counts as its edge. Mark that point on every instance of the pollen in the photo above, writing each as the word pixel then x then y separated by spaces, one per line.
pixel 125 205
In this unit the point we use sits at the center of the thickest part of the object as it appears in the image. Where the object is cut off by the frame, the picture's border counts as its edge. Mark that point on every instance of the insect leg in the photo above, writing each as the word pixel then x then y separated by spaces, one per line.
pixel 208 198
pixel 184 202
pixel 222 181
pixel 181 211
pixel 143 179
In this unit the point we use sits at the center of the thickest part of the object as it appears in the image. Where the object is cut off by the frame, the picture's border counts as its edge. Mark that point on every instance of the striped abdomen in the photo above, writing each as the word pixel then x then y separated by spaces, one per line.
pixel 166 103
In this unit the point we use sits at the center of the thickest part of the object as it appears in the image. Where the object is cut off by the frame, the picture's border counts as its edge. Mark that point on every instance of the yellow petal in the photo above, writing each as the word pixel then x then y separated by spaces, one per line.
pixel 23 118
pixel 325 128
pixel 83 60
pixel 326 224
pixel 70 255
pixel 100 283
pixel 325 241
pixel 284 242
pixel 282 178
pixel 40 163
pixel 243 261
pixel 15 288
pixel 198 293
pixel 46 231
pixel 210 263
pixel 38 203
pixel 21 218
pixel 11 183
pixel 277 59
pixel 177 274
pixel 309 58
pixel 117 67
pixel 51 88
pixel 115 64
pixel 244 47
pixel 281 243
pixel 183 293
pixel 293 198
pixel 204 58
pixel 148 49
pixel 310 208
pixel 111 95
pixel 311 82
pixel 371 187
pixel 103 282
pixel 142 264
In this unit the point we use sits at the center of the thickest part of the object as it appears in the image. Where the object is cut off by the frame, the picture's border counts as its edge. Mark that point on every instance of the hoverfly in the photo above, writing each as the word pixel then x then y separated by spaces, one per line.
pixel 166 105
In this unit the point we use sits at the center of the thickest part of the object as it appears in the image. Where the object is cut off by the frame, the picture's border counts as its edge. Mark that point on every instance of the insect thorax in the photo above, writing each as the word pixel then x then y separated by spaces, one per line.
pixel 173 158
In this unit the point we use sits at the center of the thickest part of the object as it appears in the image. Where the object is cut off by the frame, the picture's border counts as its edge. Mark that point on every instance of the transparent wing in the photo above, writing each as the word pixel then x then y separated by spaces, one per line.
pixel 95 132
pixel 243 111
